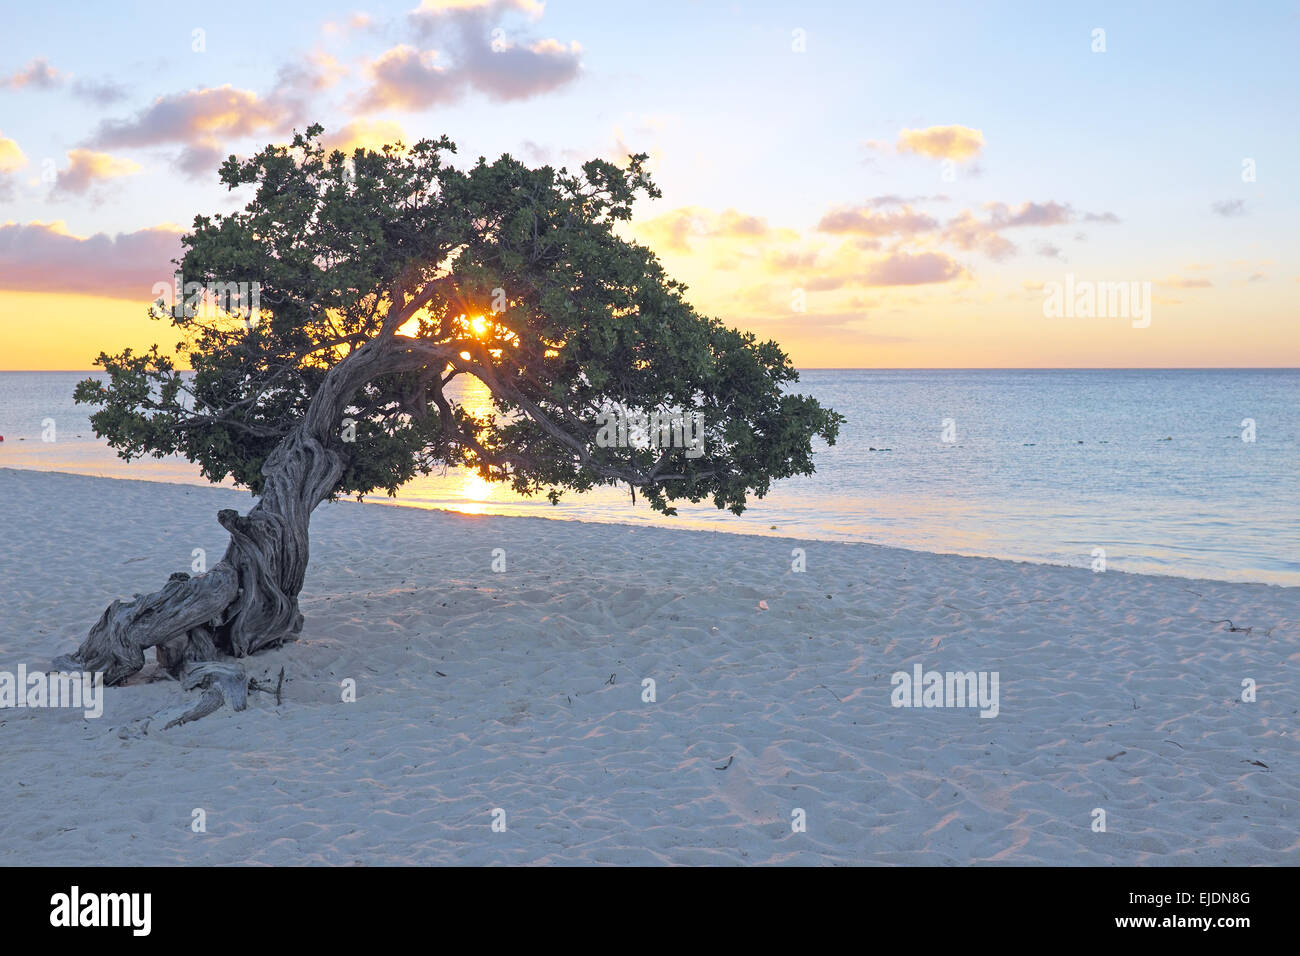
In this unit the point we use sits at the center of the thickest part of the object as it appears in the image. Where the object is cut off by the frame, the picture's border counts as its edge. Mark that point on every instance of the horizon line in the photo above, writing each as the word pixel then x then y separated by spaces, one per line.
pixel 913 368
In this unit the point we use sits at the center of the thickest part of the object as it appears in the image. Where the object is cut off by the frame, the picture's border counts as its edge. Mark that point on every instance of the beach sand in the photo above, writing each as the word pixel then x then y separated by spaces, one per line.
pixel 522 691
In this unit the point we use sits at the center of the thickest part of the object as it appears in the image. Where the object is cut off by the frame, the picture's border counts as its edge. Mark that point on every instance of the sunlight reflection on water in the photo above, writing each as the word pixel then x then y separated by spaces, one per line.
pixel 1047 466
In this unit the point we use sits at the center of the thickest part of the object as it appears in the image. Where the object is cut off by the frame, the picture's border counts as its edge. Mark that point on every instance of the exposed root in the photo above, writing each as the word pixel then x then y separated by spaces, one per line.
pixel 221 683
pixel 249 600
pixel 115 645
pixel 255 684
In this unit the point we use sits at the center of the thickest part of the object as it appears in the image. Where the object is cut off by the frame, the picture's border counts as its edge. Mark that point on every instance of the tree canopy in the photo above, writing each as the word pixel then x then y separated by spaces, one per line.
pixel 417 272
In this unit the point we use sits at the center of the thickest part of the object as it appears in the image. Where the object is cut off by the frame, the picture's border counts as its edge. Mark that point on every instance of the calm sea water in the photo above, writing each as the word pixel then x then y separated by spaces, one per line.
pixel 1046 466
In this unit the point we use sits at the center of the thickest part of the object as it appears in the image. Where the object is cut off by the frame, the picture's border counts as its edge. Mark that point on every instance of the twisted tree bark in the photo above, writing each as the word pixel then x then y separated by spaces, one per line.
pixel 249 599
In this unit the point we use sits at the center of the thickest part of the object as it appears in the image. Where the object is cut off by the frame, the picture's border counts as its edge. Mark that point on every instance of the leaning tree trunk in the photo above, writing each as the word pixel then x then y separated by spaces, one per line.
pixel 249 600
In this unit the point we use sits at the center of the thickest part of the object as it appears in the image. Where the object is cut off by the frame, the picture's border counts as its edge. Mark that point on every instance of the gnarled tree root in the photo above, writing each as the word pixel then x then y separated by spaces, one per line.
pixel 185 605
pixel 249 600
pixel 220 682
pixel 190 622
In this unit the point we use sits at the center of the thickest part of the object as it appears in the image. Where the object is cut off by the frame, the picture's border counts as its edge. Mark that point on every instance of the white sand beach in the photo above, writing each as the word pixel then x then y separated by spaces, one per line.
pixel 523 691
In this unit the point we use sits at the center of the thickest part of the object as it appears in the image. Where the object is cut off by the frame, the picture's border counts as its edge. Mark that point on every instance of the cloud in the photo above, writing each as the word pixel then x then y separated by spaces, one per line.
pixel 1028 214
pixel 1229 207
pixel 409 79
pixel 790 260
pixel 673 230
pixel 37 74
pixel 364 133
pixel 1253 277
pixel 99 92
pixel 1177 282
pixel 201 159
pixel 356 22
pixel 86 168
pixel 732 223
pixel 519 72
pixel 45 257
pixel 848 269
pixel 11 156
pixel 903 268
pixel 405 78
pixel 201 120
pixel 967 233
pixel 429 11
pixel 474 54
pixel 196 116
pixel 942 142
pixel 884 202
pixel 11 160
pixel 296 83
pixel 825 283
pixel 864 221
pixel 535 152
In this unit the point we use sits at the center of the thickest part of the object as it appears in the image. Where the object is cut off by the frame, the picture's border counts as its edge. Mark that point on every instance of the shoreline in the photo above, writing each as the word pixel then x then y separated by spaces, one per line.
pixel 394 503
pixel 525 690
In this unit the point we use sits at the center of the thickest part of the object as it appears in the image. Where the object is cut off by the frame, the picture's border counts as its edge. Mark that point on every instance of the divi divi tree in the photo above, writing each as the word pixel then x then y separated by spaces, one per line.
pixel 379 279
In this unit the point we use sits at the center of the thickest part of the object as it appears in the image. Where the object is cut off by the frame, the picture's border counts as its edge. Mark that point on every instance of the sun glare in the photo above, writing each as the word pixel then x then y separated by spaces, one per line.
pixel 475 492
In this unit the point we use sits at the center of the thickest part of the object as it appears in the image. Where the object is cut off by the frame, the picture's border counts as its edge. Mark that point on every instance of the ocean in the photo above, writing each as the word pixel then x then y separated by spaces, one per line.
pixel 1184 472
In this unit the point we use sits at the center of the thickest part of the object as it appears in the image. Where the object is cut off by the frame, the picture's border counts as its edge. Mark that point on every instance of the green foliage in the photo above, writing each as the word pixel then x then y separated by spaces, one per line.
pixel 589 320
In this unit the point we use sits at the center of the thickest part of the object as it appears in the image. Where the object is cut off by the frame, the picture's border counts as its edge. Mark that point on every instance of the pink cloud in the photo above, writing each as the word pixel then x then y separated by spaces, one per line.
pixel 43 257
pixel 864 221
pixel 904 268
pixel 473 53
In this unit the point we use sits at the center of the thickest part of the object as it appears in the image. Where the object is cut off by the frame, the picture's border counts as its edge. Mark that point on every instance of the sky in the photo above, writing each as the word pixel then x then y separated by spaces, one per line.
pixel 872 185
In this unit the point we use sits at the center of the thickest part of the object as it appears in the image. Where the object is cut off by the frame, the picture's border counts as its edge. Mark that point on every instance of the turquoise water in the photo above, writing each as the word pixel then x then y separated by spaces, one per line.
pixel 1148 465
